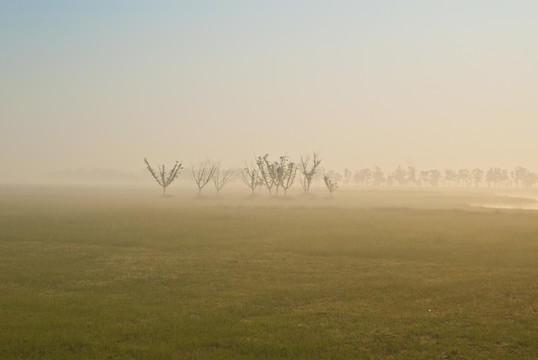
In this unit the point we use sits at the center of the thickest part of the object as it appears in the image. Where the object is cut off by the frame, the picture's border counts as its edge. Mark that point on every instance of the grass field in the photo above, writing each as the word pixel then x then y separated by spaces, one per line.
pixel 377 275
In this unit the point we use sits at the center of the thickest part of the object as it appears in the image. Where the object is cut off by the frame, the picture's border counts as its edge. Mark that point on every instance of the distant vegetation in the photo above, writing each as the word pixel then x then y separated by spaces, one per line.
pixel 278 176
pixel 410 176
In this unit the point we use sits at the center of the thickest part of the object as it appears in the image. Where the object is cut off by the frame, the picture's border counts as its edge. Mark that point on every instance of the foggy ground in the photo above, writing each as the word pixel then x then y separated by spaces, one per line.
pixel 184 193
pixel 121 272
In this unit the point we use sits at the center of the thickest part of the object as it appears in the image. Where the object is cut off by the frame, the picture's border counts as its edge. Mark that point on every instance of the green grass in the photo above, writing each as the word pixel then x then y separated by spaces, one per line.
pixel 109 277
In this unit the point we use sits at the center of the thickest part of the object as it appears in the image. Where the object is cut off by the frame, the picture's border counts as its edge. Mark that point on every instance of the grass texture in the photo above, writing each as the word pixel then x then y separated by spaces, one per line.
pixel 111 278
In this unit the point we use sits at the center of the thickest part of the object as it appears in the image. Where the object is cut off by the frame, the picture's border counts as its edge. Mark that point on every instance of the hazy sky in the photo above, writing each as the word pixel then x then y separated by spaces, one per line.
pixel 103 84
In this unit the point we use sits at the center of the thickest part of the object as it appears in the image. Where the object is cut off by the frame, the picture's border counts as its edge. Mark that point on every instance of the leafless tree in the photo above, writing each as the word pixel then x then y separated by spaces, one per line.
pixel 276 174
pixel 222 177
pixel 308 170
pixel 163 178
pixel 251 177
pixel 331 185
pixel 202 174
pixel 266 170
pixel 287 172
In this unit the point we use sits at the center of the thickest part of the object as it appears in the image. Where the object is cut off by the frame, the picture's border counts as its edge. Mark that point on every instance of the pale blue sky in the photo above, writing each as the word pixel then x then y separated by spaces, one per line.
pixel 101 84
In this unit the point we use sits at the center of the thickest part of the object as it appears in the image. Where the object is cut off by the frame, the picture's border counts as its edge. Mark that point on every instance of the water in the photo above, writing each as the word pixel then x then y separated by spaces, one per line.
pixel 527 203
pixel 531 206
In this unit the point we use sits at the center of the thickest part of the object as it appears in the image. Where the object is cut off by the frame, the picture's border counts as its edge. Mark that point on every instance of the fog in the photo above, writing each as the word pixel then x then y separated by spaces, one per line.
pixel 95 87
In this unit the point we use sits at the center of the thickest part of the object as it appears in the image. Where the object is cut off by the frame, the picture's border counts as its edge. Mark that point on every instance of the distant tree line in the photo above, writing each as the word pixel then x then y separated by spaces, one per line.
pixel 410 176
pixel 278 175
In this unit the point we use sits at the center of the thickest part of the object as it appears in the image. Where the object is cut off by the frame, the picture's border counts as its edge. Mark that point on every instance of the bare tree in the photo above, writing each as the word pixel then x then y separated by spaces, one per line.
pixel 163 178
pixel 203 174
pixel 267 172
pixel 284 172
pixel 290 171
pixel 251 177
pixel 222 177
pixel 276 174
pixel 331 185
pixel 308 170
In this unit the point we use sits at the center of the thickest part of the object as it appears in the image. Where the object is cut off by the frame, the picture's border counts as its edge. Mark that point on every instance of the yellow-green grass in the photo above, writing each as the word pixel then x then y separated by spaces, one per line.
pixel 114 277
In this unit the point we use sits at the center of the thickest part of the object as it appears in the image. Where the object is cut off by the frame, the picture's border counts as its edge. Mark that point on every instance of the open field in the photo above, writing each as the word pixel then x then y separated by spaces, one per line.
pixel 107 274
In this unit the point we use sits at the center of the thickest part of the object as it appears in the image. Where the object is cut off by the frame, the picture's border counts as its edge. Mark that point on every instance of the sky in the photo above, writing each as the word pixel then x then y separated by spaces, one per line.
pixel 103 84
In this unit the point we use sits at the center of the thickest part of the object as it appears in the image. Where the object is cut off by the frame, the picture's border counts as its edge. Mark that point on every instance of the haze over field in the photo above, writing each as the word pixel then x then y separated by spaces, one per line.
pixel 102 84
pixel 243 179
